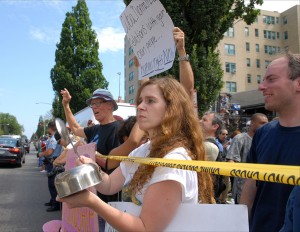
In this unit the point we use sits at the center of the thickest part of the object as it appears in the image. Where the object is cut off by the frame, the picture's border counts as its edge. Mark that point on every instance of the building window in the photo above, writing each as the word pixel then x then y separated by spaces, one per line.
pixel 247 47
pixel 131 75
pixel 230 86
pixel 257 63
pixel 230 49
pixel 278 35
pixel 258 79
pixel 284 20
pixel 270 35
pixel 270 49
pixel 256 32
pixel 131 101
pixel 130 63
pixel 285 35
pixel 248 62
pixel 269 19
pixel 131 89
pixel 130 50
pixel 246 31
pixel 277 20
pixel 267 62
pixel 256 19
pixel 249 78
pixel 230 67
pixel 230 32
pixel 257 47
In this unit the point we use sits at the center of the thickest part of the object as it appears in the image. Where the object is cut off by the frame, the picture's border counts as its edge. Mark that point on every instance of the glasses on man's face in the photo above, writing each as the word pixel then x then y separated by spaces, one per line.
pixel 97 104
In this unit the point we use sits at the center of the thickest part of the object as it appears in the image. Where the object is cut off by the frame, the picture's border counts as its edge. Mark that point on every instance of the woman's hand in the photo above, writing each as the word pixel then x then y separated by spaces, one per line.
pixel 84 198
pixel 84 160
pixel 178 35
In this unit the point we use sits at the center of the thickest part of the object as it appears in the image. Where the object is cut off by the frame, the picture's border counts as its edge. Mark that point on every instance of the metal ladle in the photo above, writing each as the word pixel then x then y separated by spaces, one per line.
pixel 64 133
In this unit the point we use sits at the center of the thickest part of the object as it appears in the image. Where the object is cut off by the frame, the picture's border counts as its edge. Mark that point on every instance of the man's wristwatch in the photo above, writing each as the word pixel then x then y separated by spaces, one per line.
pixel 184 58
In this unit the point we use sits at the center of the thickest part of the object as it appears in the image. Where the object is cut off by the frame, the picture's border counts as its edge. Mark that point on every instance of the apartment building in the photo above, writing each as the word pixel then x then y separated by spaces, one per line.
pixel 245 51
pixel 131 73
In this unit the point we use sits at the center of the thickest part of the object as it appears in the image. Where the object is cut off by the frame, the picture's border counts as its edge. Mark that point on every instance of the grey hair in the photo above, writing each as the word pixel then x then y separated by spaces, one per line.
pixel 216 120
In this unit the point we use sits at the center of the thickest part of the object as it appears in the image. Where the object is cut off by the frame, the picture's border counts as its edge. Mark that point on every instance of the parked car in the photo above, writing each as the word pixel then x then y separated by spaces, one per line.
pixel 12 151
pixel 27 146
pixel 23 139
pixel 25 143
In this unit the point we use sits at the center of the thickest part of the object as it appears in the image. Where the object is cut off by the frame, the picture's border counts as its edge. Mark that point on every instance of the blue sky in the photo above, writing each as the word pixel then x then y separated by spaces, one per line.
pixel 29 33
pixel 30 30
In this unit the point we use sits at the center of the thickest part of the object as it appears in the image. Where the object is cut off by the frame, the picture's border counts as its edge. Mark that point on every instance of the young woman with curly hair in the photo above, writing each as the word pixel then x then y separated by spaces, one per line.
pixel 166 113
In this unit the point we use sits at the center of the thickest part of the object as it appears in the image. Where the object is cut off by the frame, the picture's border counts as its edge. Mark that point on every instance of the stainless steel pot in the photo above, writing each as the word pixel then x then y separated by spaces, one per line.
pixel 77 179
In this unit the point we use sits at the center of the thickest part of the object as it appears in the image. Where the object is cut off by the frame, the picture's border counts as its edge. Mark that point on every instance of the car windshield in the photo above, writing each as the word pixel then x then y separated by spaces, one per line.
pixel 8 142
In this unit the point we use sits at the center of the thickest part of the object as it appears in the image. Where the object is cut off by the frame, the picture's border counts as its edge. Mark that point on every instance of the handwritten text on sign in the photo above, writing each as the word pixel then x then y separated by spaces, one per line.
pixel 149 32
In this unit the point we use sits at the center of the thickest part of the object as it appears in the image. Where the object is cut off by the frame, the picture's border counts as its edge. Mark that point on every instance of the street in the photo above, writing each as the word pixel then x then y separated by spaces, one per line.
pixel 23 192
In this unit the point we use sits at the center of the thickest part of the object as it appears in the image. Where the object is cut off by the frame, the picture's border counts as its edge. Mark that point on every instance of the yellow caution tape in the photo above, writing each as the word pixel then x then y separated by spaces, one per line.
pixel 265 172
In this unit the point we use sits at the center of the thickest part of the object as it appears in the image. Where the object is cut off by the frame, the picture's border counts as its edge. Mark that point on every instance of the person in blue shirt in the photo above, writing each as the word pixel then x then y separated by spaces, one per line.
pixel 53 150
pixel 276 142
pixel 292 212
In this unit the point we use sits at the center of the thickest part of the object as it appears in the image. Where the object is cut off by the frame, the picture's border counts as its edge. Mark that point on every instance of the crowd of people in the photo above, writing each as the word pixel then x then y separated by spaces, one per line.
pixel 166 126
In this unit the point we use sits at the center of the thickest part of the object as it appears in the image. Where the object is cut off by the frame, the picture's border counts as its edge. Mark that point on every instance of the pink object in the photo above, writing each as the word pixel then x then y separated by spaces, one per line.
pixel 52 226
pixel 79 219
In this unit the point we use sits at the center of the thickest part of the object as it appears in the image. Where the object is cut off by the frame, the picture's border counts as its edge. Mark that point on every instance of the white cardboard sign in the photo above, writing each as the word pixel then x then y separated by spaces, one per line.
pixel 149 30
pixel 197 217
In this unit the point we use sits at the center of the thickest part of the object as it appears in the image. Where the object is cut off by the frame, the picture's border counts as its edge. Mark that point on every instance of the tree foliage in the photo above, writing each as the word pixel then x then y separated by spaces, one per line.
pixel 42 126
pixel 9 125
pixel 204 23
pixel 77 66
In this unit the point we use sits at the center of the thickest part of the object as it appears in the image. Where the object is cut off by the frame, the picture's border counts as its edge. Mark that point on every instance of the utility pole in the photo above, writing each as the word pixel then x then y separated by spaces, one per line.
pixel 119 98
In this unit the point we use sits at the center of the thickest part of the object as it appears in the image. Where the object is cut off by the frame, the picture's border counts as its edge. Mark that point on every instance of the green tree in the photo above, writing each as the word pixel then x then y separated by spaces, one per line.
pixel 204 23
pixel 41 127
pixel 42 124
pixel 9 125
pixel 77 66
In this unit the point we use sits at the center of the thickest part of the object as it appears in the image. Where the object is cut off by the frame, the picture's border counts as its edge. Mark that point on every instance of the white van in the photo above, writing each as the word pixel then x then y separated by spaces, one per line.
pixel 124 111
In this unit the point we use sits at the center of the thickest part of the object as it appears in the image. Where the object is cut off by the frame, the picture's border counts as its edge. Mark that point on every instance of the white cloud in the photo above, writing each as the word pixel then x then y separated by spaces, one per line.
pixel 110 39
pixel 44 35
pixel 276 5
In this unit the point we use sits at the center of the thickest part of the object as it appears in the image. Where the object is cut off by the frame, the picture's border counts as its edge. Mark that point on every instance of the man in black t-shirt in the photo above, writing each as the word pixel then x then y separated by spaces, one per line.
pixel 104 135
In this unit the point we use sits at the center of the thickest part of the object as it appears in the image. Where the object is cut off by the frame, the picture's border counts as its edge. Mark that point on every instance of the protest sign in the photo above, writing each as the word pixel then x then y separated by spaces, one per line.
pixel 149 30
pixel 197 217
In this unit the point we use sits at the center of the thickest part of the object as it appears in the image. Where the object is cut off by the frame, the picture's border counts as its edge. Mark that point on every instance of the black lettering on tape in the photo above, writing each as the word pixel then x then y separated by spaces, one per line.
pixel 292 179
